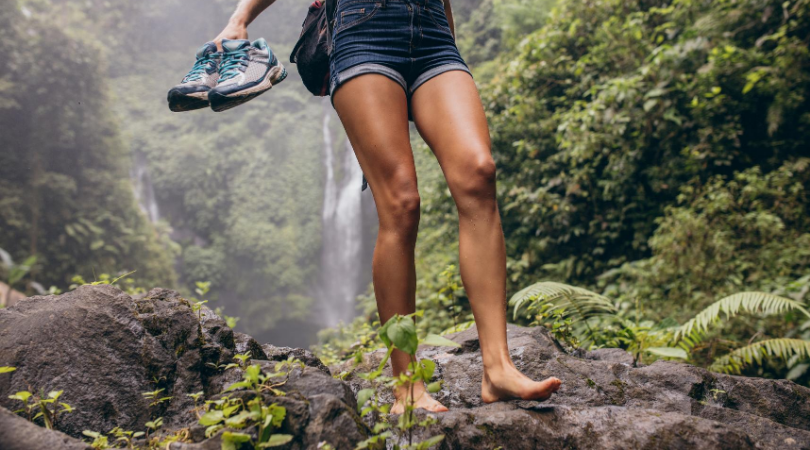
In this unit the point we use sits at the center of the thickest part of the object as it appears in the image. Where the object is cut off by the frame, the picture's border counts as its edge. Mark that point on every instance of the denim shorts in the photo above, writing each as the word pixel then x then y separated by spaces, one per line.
pixel 408 41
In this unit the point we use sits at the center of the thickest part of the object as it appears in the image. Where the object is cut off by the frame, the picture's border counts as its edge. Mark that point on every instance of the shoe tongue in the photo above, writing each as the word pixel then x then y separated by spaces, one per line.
pixel 207 49
pixel 232 45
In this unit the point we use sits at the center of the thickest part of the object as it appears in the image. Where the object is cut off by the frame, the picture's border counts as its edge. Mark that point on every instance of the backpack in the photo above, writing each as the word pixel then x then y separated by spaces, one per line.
pixel 311 52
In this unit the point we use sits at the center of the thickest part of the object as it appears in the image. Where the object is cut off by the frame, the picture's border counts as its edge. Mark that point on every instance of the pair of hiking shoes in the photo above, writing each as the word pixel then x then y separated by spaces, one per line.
pixel 223 80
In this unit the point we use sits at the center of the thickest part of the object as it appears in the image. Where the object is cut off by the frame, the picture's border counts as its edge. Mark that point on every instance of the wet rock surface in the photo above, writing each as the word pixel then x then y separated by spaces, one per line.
pixel 605 402
pixel 105 349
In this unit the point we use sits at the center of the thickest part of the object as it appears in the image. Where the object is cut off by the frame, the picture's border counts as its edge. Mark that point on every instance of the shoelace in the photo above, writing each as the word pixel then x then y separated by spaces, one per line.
pixel 232 62
pixel 200 67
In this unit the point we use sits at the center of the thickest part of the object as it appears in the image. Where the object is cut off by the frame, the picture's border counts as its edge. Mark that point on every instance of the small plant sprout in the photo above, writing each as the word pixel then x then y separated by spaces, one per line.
pixel 399 332
pixel 243 359
pixel 154 425
pixel 196 397
pixel 234 415
pixel 202 288
pixel 48 408
pixel 125 437
pixel 99 442
pixel 229 320
pixel 155 398
pixel 7 369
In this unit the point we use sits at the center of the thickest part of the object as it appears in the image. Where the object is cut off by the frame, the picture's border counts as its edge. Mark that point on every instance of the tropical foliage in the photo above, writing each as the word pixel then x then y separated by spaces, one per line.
pixel 592 320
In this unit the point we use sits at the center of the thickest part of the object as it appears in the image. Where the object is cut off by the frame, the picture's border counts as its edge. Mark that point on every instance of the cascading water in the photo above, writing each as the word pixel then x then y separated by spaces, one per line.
pixel 142 185
pixel 344 273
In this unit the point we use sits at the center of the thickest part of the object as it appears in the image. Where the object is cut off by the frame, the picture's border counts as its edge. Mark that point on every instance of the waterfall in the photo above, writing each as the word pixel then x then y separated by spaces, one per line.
pixel 142 187
pixel 343 274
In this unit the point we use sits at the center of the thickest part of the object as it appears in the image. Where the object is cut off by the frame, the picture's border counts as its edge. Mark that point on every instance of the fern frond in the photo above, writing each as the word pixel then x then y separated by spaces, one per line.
pixel 752 302
pixel 781 348
pixel 582 302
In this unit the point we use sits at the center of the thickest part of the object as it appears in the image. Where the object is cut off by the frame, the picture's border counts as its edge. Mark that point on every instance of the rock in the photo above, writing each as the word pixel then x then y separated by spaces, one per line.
pixel 17 433
pixel 283 353
pixel 104 349
pixel 605 402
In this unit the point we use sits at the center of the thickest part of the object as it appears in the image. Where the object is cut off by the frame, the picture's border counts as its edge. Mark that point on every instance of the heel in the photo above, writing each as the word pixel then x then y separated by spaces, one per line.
pixel 281 77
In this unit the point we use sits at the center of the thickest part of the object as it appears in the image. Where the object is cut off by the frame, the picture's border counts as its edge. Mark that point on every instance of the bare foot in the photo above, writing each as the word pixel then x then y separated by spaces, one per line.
pixel 422 400
pixel 509 384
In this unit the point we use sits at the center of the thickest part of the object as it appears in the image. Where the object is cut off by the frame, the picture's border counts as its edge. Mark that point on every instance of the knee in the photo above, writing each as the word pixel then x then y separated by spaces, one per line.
pixel 401 211
pixel 476 181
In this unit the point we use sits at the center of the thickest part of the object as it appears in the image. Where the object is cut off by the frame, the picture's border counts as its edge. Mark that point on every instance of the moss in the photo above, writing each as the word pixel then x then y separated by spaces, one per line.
pixel 591 384
pixel 486 429
pixel 620 386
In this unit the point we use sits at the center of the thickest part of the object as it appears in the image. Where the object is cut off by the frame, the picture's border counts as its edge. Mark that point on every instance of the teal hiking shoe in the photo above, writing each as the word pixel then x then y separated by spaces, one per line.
pixel 246 71
pixel 192 92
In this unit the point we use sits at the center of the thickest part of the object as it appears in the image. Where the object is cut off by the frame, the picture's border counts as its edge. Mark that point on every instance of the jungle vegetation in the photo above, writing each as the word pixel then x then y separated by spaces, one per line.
pixel 652 153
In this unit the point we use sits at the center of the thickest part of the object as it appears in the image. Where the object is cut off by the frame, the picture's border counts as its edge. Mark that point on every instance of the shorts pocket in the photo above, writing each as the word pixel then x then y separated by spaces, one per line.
pixel 354 13
pixel 437 15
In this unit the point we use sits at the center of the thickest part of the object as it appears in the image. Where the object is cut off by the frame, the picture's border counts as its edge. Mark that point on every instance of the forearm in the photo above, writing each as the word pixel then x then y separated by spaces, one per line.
pixel 449 12
pixel 247 11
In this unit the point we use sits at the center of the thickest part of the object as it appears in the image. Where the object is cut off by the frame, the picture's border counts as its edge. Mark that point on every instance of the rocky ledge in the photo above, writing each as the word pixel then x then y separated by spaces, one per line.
pixel 104 349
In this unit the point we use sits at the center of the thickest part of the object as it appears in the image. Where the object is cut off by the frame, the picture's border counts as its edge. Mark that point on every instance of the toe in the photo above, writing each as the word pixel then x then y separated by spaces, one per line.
pixel 437 407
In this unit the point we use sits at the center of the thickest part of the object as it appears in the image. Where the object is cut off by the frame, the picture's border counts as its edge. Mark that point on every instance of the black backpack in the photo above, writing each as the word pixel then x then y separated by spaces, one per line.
pixel 311 52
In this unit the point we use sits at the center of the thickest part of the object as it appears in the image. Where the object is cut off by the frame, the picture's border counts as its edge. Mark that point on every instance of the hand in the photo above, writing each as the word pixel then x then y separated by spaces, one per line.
pixel 232 31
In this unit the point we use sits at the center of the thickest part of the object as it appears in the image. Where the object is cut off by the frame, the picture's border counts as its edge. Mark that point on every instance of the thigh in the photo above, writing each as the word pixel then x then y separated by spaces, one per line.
pixel 374 111
pixel 449 115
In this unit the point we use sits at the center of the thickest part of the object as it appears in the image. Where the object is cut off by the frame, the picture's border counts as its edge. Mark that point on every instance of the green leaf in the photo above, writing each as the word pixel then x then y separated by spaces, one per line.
pixel 230 439
pixel 383 332
pixel 439 341
pixel 22 396
pixel 252 373
pixel 227 411
pixel 7 369
pixel 426 369
pixel 363 397
pixel 751 302
pixel 754 353
pixel 238 421
pixel 668 352
pixel 797 371
pixel 211 418
pixel 426 444
pixel 276 440
pixel 434 387
pixel 403 335
pixel 238 385
pixel 575 302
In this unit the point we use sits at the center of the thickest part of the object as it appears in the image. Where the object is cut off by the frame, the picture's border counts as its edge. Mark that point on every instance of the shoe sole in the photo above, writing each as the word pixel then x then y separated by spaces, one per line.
pixel 179 102
pixel 223 102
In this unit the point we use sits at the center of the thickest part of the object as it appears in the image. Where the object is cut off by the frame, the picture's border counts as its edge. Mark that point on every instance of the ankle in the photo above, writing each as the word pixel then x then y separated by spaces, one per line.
pixel 404 392
pixel 498 365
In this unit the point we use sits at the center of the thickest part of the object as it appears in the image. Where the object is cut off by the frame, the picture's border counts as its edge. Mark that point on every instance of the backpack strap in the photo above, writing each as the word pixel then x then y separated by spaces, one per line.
pixel 330 19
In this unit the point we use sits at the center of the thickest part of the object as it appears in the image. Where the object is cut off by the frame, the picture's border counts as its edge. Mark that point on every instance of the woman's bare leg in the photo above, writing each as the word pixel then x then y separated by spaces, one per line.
pixel 373 110
pixel 449 116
